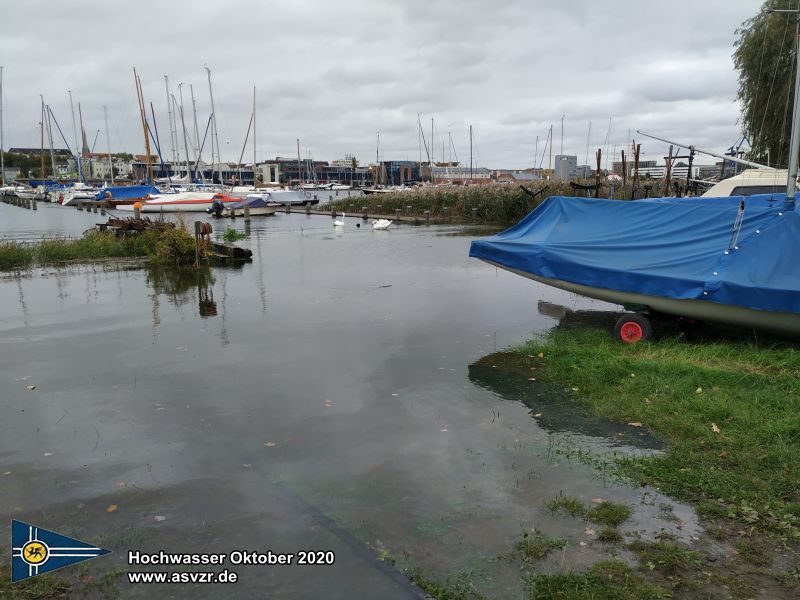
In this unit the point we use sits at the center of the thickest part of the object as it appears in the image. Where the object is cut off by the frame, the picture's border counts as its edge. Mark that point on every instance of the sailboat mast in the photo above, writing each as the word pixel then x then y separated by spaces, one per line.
pixel 108 144
pixel 299 171
pixel 550 152
pixel 173 137
pixel 50 139
pixel 470 153
pixel 214 134
pixel 2 157
pixel 185 138
pixel 41 151
pixel 254 138
pixel 378 159
pixel 794 144
pixel 140 96
pixel 75 133
pixel 84 146
pixel 194 113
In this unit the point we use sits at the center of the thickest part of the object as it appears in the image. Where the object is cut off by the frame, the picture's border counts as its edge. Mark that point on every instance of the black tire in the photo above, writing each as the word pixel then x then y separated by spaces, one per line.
pixel 632 328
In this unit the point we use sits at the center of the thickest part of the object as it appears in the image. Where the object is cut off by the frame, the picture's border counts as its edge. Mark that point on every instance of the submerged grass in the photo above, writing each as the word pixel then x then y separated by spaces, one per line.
pixel 729 410
pixel 606 580
pixel 608 513
pixel 535 545
pixel 171 245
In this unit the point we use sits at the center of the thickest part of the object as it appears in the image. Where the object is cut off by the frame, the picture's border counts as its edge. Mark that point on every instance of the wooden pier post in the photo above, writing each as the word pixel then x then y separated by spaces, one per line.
pixel 288 208
pixel 246 214
pixel 33 204
pixel 364 212
pixel 333 212
pixel 474 213
pixel 103 211
pixel 308 209
pixel 428 216
pixel 80 205
pixel 397 214
pixel 136 210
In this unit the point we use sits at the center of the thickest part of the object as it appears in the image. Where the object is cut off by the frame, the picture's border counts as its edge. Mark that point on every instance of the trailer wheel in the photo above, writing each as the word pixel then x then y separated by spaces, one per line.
pixel 633 328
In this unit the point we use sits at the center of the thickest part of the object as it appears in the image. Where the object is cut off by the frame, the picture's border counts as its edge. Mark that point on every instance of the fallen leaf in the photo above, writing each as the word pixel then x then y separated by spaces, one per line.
pixel 247 465
pixel 48 454
pixel 30 387
pixel 574 389
pixel 159 518
pixel 589 531
pixel 598 500
pixel 531 378
pixel 111 508
pixel 443 430
pixel 7 473
pixel 723 454
pixel 633 374
pixel 581 543
pixel 395 395
pixel 698 390
pixel 269 444
pixel 647 401
pixel 541 355
pixel 635 424
pixel 714 428
pixel 538 415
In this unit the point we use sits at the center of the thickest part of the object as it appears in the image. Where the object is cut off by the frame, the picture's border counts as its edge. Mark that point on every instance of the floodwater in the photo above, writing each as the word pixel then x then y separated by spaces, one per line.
pixel 342 392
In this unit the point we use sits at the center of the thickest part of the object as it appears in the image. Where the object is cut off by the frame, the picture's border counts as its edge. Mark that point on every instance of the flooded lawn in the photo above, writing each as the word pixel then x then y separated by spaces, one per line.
pixel 345 391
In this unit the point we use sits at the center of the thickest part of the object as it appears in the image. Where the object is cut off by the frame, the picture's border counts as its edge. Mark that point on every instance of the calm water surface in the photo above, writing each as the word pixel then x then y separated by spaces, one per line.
pixel 337 393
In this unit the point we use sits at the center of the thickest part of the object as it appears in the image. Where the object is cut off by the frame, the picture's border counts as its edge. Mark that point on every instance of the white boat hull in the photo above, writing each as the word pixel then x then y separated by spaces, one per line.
pixel 780 323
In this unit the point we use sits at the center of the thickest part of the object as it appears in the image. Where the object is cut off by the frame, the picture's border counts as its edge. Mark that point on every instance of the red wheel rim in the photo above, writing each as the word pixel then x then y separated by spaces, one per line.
pixel 630 332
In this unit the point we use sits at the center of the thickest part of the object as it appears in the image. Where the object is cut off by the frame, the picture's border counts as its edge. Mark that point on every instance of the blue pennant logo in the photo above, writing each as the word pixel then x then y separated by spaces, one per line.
pixel 35 551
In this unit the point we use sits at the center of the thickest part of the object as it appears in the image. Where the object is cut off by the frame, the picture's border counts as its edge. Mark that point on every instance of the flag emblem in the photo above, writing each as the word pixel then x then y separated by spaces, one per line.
pixel 35 551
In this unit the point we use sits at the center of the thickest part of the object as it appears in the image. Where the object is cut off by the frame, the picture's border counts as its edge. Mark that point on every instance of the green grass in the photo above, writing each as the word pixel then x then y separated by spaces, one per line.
pixel 607 580
pixel 609 535
pixel 569 505
pixel 233 235
pixel 458 586
pixel 730 412
pixel 535 546
pixel 610 514
pixel 165 246
pixel 82 582
pixel 669 558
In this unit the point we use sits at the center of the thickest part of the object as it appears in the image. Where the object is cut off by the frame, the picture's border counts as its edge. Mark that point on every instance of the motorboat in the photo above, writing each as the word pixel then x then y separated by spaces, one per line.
pixel 181 202
pixel 257 205
pixel 726 259
pixel 78 192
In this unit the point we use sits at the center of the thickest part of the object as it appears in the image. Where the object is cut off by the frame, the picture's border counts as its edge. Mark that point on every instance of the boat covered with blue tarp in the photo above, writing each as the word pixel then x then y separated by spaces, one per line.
pixel 692 257
pixel 127 192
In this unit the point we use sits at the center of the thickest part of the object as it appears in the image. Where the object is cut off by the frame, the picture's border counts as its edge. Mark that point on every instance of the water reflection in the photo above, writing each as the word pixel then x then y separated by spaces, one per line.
pixel 178 284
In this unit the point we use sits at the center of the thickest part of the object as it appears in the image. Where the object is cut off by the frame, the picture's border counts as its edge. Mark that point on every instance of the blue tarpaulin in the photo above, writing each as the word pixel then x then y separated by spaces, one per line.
pixel 669 247
pixel 127 192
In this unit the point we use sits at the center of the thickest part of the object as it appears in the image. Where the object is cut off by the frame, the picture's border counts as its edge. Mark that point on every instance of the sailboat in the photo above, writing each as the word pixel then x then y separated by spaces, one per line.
pixel 726 259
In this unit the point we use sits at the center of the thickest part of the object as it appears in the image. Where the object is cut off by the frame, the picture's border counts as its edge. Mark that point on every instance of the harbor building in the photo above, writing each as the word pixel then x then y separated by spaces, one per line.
pixel 565 167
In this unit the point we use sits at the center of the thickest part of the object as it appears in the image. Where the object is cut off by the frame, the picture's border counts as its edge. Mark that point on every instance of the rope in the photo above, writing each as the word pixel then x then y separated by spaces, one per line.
pixel 737 226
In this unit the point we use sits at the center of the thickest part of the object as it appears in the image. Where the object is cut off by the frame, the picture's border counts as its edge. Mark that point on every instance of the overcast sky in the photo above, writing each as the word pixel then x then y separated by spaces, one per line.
pixel 335 73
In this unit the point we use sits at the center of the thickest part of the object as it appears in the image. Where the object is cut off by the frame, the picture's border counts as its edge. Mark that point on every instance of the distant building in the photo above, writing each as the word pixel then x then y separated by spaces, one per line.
pixel 461 175
pixel 565 167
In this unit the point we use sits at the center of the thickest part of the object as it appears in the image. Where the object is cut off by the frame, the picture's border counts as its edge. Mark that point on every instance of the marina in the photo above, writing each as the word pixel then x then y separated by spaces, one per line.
pixel 400 301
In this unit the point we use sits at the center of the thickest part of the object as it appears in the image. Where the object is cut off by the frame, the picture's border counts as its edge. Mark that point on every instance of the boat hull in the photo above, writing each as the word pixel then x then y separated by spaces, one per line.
pixel 784 324
pixel 261 211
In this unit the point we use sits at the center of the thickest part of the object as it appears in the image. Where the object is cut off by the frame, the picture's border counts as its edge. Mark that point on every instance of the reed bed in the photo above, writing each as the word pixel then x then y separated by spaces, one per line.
pixel 167 246
pixel 496 204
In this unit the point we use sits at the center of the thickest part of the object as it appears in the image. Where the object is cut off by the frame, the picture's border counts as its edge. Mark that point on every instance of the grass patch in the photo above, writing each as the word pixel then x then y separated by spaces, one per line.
pixel 534 546
pixel 168 246
pixel 569 505
pixel 50 586
pixel 233 235
pixel 607 580
pixel 753 550
pixel 669 558
pixel 609 535
pixel 456 587
pixel 610 514
pixel 729 410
